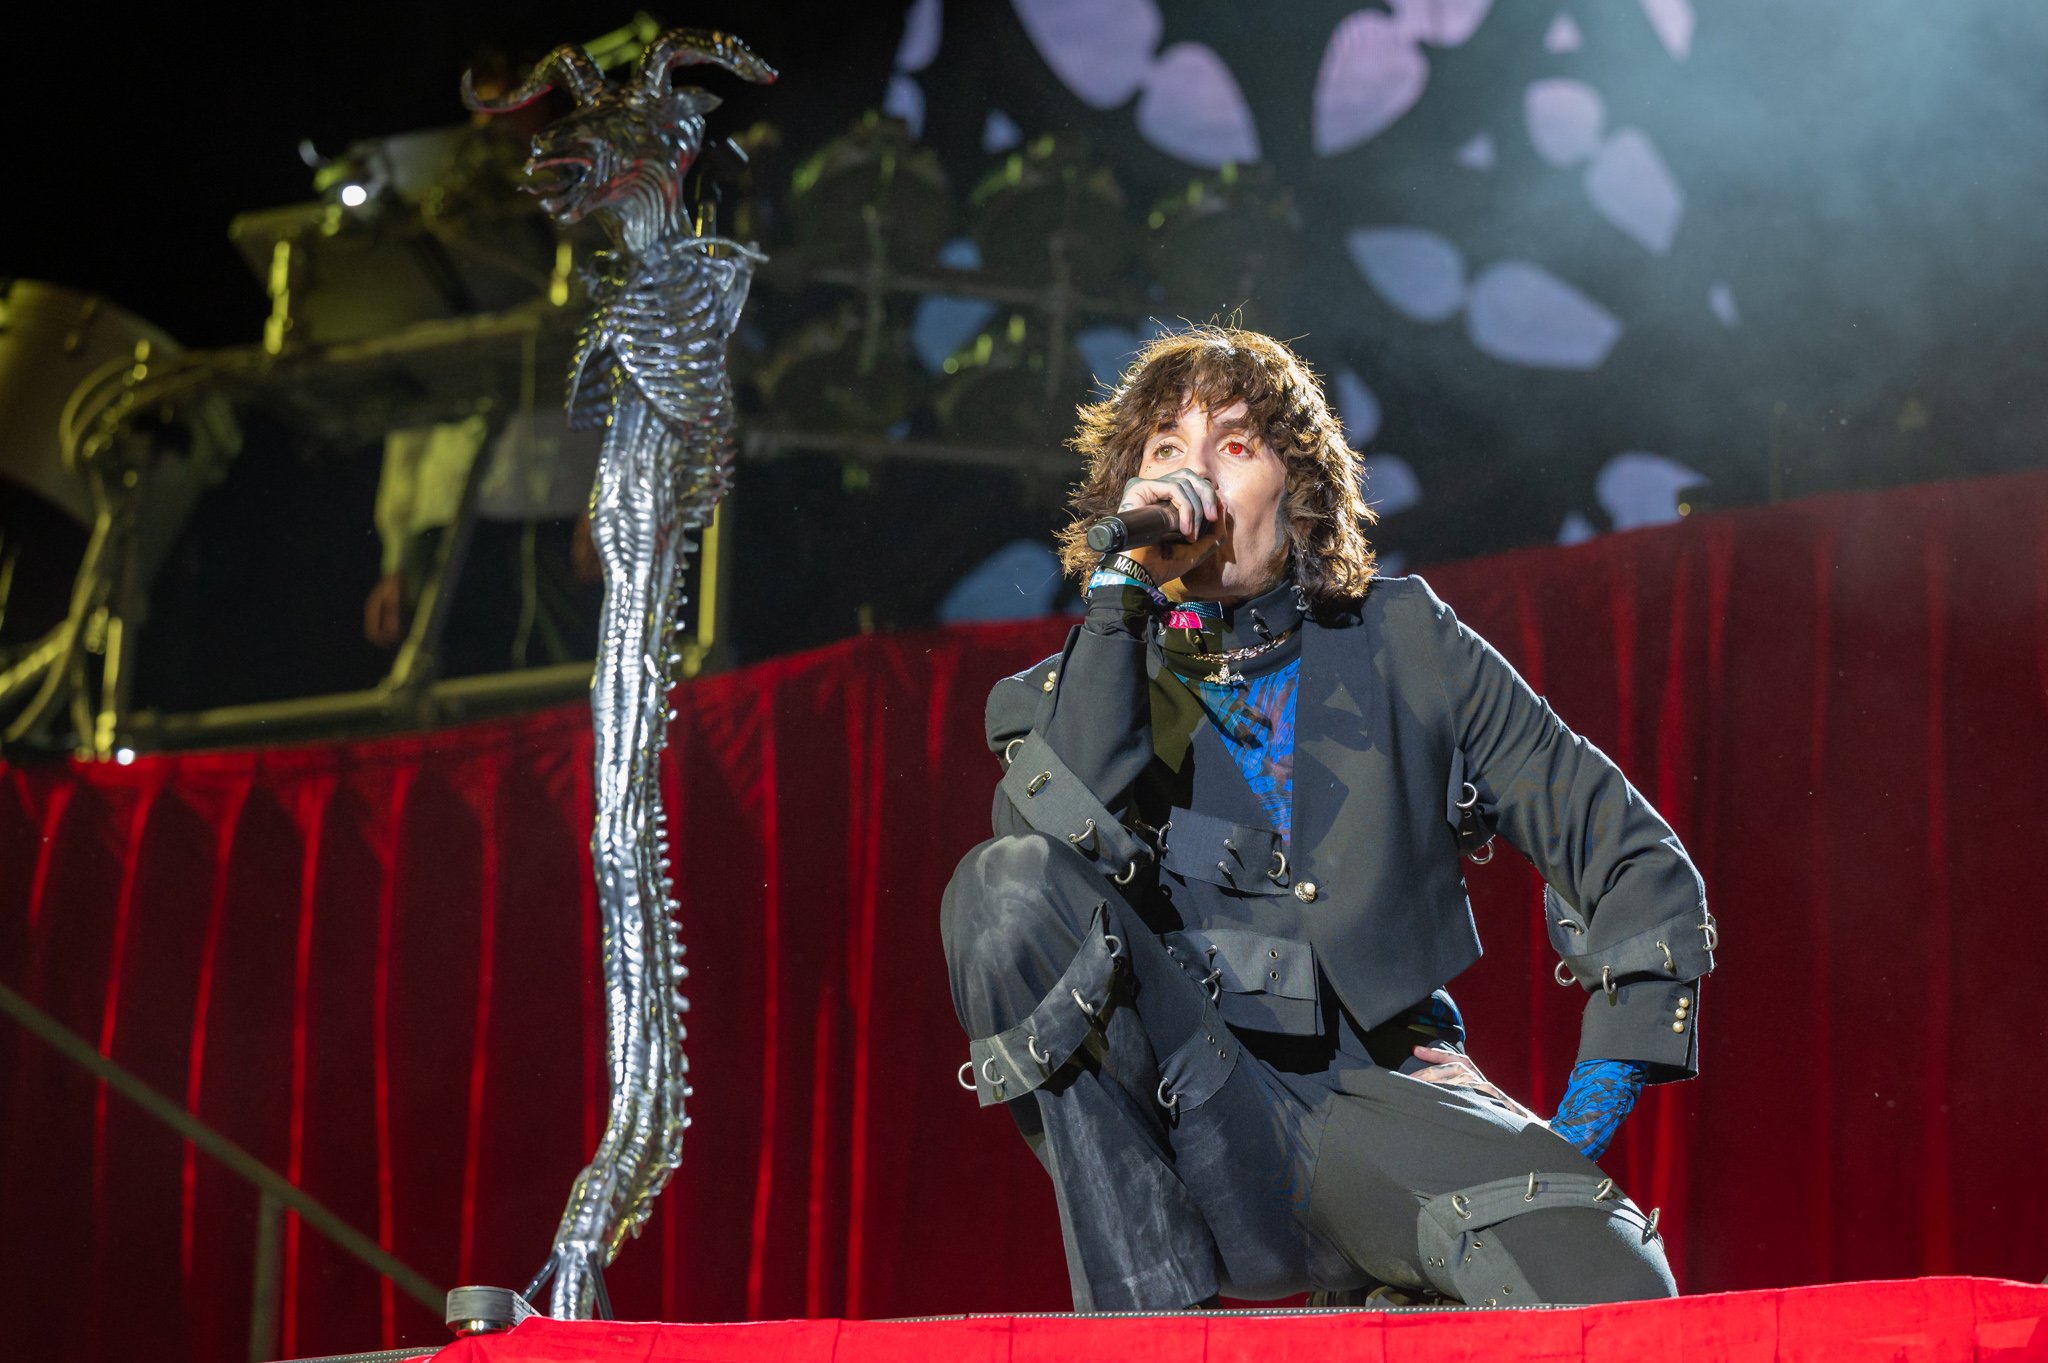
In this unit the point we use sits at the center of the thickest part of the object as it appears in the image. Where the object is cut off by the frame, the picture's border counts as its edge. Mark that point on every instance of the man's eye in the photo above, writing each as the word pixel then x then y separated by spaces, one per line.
pixel 1165 452
pixel 1234 447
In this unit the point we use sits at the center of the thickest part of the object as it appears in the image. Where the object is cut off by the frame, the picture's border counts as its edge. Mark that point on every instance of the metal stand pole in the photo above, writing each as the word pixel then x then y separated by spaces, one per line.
pixel 264 1299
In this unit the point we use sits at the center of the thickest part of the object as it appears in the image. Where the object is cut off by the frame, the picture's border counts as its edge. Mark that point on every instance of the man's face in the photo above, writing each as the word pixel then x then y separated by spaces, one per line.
pixel 1251 488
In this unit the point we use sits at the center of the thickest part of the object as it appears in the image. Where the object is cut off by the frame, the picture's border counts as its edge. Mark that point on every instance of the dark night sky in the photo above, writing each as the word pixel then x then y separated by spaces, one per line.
pixel 191 120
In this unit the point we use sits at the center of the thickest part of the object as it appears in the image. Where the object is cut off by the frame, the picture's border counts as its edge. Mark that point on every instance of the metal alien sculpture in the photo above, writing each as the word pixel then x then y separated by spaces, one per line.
pixel 650 365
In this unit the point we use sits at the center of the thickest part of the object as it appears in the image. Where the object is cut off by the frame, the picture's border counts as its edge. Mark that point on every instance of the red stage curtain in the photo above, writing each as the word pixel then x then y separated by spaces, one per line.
pixel 373 964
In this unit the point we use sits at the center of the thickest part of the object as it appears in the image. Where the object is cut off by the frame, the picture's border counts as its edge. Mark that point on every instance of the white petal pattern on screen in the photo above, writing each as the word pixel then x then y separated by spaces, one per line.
pixel 1419 273
pixel 1372 73
pixel 1374 70
pixel 1441 23
pixel 904 99
pixel 1637 489
pixel 1101 49
pixel 1630 186
pixel 923 25
pixel 1193 109
pixel 1721 299
pixel 1019 581
pixel 1673 20
pixel 1391 486
pixel 1523 314
pixel 1357 407
pixel 1000 132
pixel 1565 119
pixel 1106 350
pixel 1478 152
pixel 1190 106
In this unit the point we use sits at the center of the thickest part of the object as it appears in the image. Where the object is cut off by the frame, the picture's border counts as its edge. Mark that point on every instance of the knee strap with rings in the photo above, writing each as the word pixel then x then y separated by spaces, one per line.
pixel 1012 1063
pixel 1461 1260
pixel 1191 1074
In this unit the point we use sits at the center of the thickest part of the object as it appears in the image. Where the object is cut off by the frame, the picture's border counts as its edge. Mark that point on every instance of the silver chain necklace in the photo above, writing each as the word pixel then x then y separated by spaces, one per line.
pixel 1223 675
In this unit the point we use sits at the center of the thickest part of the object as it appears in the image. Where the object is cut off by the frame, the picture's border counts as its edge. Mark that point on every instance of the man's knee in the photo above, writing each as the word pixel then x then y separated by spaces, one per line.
pixel 1012 918
pixel 1584 1256
pixel 997 896
pixel 1546 1237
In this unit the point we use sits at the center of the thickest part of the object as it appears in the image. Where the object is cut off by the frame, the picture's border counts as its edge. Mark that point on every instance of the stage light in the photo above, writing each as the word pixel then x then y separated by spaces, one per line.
pixel 124 755
pixel 353 196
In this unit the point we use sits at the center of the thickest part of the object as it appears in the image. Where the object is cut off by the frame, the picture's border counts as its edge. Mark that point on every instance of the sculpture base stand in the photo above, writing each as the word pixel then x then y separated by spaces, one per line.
pixel 485 1310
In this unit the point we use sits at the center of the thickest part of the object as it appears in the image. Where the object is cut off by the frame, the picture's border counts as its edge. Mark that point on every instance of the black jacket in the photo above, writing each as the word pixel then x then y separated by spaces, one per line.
pixel 1398 708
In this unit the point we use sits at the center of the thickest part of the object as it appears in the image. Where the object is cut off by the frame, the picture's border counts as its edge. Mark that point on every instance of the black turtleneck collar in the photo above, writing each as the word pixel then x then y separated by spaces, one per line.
pixel 1247 624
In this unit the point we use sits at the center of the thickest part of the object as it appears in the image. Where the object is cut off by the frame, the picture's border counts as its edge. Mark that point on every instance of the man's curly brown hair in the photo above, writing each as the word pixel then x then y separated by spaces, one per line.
pixel 1215 366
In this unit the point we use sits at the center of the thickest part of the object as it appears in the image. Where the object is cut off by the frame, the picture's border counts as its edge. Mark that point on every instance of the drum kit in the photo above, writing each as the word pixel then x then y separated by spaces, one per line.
pixel 1059 246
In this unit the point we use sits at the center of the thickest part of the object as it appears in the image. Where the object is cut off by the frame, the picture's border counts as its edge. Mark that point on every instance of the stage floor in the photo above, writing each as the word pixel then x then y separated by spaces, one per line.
pixel 1969 1320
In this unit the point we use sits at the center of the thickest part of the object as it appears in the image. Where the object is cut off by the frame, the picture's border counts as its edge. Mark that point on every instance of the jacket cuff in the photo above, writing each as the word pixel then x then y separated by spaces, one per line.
pixel 1652 1022
pixel 1118 611
pixel 1679 948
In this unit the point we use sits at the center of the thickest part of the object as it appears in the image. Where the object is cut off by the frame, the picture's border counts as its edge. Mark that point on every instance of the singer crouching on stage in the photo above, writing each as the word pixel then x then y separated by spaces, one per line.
pixel 1202 961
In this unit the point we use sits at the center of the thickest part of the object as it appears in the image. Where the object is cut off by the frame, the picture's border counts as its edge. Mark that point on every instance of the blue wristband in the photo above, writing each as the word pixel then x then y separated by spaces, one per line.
pixel 1109 577
pixel 1600 1094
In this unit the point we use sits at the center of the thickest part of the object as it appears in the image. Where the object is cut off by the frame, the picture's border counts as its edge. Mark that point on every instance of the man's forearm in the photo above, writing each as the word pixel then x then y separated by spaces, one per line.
pixel 1101 723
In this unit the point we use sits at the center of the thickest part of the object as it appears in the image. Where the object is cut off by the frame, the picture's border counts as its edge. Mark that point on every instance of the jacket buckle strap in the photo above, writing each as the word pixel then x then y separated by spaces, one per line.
pixel 1471 819
pixel 1238 857
pixel 1012 1063
pixel 1462 1261
pixel 1057 803
pixel 1662 950
pixel 1190 1076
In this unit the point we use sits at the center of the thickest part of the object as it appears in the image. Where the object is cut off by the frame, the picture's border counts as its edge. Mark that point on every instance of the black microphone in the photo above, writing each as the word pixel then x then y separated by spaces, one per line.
pixel 1136 528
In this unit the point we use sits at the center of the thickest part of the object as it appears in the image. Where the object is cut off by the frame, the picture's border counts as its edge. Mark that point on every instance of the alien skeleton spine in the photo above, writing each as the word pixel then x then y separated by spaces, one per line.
pixel 650 366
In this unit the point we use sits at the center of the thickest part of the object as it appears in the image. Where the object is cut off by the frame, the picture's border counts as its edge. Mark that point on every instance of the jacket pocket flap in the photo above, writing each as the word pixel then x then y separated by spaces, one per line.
pixel 1233 855
pixel 1251 962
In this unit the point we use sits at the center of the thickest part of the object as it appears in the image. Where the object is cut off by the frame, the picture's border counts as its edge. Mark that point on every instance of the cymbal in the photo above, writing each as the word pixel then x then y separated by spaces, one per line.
pixel 871 184
pixel 815 381
pixel 1047 204
pixel 999 396
pixel 1227 246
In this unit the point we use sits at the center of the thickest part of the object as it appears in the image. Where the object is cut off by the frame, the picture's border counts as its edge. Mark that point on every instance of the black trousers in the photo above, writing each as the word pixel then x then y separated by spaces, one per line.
pixel 1185 1164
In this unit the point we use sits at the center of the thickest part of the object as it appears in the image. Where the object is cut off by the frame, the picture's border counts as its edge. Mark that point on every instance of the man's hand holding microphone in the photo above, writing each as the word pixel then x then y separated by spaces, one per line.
pixel 1166 525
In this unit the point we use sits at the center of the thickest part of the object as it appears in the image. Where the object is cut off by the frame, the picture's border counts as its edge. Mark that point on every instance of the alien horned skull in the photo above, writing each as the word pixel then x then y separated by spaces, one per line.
pixel 624 151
